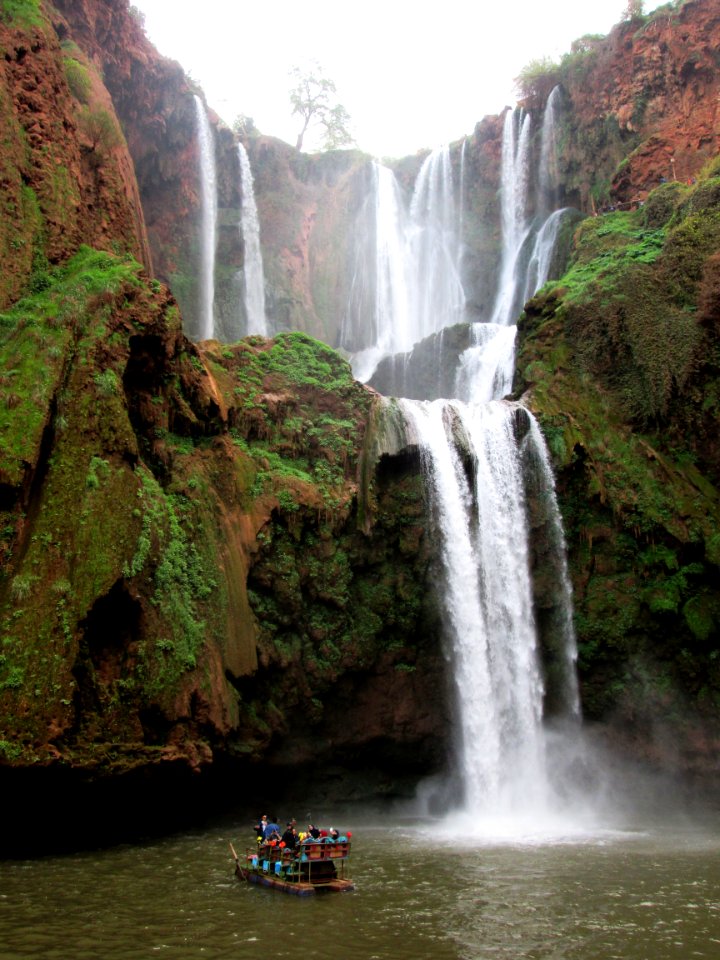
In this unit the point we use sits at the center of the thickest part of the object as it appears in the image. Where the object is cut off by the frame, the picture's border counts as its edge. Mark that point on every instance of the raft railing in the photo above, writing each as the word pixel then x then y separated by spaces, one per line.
pixel 299 864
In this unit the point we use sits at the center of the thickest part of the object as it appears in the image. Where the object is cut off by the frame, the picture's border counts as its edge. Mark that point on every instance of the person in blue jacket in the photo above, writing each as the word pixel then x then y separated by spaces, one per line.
pixel 272 830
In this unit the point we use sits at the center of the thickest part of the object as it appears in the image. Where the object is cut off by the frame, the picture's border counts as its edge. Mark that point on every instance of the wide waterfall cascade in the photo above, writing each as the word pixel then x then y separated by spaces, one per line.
pixel 208 221
pixel 410 285
pixel 481 516
pixel 253 265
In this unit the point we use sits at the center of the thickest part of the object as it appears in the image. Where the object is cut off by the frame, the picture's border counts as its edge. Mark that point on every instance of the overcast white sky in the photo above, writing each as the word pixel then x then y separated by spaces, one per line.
pixel 411 74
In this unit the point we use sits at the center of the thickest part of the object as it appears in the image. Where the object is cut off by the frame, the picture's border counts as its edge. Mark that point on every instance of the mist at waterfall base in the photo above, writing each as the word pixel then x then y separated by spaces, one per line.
pixel 521 767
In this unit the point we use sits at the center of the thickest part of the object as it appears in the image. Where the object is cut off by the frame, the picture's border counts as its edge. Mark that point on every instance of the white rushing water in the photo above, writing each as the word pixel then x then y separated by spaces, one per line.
pixel 514 183
pixel 528 244
pixel 548 174
pixel 489 480
pixel 254 287
pixel 486 369
pixel 409 283
pixel 481 515
pixel 208 222
pixel 437 298
pixel 538 269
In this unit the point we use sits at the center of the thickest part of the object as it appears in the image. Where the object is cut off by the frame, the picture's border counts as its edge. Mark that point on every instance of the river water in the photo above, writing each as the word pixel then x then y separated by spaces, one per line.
pixel 421 892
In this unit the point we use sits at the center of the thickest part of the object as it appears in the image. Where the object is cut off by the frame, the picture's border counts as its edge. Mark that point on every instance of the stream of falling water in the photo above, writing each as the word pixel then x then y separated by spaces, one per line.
pixel 477 458
pixel 208 221
pixel 254 286
pixel 485 461
pixel 413 270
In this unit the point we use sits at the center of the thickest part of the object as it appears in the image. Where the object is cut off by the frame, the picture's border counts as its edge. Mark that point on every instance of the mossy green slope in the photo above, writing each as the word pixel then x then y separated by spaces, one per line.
pixel 620 359
pixel 187 569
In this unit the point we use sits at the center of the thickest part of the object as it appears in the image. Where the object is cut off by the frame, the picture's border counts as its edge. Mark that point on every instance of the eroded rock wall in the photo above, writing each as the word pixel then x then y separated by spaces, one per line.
pixel 196 569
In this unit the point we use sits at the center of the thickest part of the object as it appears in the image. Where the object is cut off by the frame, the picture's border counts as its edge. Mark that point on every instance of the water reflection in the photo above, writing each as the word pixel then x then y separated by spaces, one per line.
pixel 420 894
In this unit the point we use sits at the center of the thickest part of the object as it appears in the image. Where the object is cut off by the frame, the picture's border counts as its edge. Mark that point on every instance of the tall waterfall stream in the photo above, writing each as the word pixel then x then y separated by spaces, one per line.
pixel 208 221
pixel 483 457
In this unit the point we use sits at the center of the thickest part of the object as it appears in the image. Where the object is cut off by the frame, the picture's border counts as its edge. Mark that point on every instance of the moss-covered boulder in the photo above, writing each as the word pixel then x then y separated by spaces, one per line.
pixel 620 362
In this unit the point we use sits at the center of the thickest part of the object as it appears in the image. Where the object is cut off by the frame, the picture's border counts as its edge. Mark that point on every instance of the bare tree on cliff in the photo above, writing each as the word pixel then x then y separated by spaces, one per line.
pixel 634 10
pixel 312 99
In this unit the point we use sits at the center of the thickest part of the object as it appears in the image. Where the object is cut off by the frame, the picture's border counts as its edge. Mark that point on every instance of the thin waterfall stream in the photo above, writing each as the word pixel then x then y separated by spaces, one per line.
pixel 208 221
pixel 254 286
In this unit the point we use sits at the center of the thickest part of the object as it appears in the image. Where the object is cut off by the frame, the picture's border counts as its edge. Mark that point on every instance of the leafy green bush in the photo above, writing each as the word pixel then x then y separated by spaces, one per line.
pixel 662 203
pixel 536 80
pixel 21 587
pixel 21 13
pixel 78 79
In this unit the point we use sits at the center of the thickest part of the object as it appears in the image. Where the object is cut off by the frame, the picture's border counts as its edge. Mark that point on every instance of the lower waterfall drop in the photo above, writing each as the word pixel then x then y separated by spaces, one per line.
pixel 476 458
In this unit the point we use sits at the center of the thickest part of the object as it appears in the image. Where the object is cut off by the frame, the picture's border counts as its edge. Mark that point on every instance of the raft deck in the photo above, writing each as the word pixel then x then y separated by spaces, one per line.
pixel 313 867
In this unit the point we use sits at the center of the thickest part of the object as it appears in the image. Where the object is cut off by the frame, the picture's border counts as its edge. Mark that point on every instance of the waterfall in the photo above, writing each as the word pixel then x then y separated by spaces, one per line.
pixel 388 303
pixel 565 656
pixel 437 294
pixel 515 180
pixel 548 169
pixel 541 258
pixel 476 457
pixel 208 223
pixel 486 369
pixel 491 494
pixel 411 284
pixel 253 265
pixel 528 245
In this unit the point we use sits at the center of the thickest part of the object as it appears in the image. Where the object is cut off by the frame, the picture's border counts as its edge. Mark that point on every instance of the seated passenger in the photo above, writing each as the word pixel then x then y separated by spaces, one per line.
pixel 290 837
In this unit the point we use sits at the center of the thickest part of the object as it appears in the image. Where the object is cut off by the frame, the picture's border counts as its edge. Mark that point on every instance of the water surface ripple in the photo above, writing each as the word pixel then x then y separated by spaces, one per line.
pixel 632 895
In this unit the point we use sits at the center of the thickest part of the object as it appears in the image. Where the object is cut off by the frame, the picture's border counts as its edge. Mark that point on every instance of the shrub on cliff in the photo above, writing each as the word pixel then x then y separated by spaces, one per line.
pixel 101 130
pixel 78 79
pixel 21 13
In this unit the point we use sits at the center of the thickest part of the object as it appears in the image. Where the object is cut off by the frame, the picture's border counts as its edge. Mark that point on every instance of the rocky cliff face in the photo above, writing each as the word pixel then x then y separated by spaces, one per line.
pixel 188 575
pixel 653 86
pixel 67 175
pixel 638 106
pixel 620 361
pixel 207 560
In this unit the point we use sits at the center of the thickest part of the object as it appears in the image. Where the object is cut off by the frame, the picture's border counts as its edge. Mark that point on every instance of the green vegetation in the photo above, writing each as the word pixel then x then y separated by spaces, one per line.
pixel 181 583
pixel 35 336
pixel 623 375
pixel 278 388
pixel 629 298
pixel 22 14
pixel 101 129
pixel 537 79
pixel 78 79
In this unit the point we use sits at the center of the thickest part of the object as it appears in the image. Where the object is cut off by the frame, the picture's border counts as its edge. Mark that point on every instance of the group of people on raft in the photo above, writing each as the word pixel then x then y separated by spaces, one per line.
pixel 268 832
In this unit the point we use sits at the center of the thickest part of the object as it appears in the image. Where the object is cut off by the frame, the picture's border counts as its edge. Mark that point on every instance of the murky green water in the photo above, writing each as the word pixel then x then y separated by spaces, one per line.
pixel 637 895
